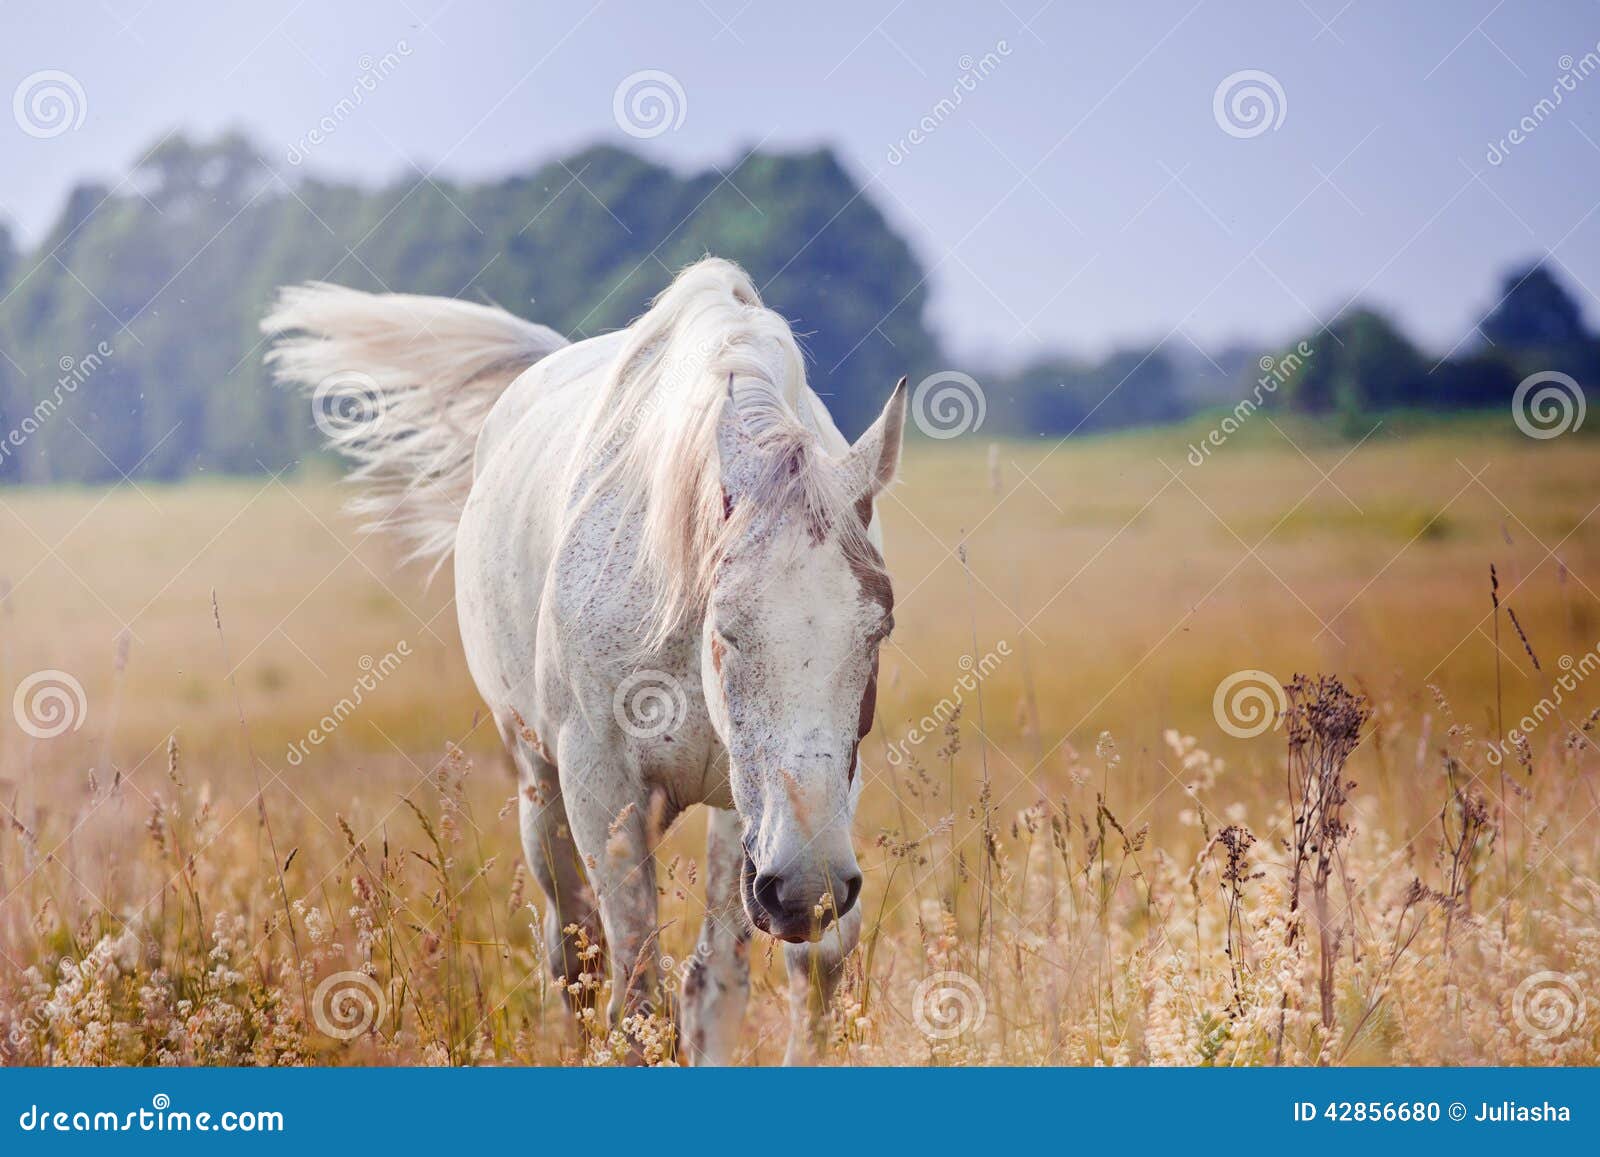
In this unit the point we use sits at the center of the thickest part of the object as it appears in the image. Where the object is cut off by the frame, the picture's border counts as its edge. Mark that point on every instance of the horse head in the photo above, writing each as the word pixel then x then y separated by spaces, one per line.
pixel 799 605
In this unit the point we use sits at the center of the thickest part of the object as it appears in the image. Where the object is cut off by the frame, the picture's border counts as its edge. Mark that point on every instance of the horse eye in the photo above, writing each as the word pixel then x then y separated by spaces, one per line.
pixel 729 639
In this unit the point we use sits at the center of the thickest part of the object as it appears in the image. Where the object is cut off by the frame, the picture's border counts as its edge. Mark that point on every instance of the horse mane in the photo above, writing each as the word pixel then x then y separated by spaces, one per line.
pixel 650 438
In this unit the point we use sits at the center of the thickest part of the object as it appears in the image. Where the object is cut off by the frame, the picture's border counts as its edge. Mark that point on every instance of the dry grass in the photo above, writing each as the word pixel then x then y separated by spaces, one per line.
pixel 1118 900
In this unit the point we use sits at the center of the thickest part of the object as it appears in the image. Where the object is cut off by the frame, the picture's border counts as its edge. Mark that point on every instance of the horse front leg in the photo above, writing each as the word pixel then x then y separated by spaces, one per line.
pixel 814 973
pixel 610 819
pixel 552 856
pixel 717 985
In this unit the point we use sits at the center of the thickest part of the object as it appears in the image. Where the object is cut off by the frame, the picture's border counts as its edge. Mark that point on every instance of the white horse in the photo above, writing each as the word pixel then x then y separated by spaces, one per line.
pixel 670 592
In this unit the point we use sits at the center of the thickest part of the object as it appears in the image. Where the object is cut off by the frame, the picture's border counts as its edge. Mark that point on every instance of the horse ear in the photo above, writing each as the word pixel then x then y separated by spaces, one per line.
pixel 873 461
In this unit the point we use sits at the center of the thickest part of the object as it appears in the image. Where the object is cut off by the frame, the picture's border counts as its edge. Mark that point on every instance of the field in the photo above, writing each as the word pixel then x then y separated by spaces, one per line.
pixel 1094 860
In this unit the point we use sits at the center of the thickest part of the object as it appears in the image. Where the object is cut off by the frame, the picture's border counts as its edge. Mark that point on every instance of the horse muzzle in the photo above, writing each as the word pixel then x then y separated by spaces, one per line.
pixel 797 905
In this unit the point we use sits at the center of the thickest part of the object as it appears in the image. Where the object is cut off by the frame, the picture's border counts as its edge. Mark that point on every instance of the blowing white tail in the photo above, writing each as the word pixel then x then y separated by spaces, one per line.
pixel 401 385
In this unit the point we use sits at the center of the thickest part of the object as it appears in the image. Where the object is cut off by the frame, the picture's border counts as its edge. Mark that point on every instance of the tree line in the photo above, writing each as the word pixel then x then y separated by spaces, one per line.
pixel 129 341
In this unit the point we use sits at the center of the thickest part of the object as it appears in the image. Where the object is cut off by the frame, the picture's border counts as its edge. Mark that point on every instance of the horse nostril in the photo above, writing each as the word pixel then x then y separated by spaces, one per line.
pixel 768 894
pixel 794 904
pixel 852 890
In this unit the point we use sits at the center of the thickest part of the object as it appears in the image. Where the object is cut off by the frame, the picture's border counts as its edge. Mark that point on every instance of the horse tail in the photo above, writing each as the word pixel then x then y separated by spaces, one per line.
pixel 401 385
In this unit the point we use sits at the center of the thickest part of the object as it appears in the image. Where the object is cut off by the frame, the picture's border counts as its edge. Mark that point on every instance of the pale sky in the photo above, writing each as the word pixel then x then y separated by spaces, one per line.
pixel 1082 194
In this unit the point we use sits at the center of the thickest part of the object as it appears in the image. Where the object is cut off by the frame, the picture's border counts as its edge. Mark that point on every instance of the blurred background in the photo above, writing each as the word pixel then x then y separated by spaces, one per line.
pixel 1246 339
pixel 1104 221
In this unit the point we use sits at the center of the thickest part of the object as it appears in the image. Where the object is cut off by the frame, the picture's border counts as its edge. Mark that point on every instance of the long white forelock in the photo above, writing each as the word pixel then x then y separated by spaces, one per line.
pixel 658 410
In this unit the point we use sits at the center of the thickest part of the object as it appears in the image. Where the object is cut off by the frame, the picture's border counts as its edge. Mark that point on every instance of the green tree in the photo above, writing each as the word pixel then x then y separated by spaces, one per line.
pixel 1360 363
pixel 1058 396
pixel 1534 312
pixel 173 270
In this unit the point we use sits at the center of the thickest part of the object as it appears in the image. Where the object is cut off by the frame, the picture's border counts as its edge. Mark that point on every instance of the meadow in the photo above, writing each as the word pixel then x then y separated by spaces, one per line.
pixel 1102 824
